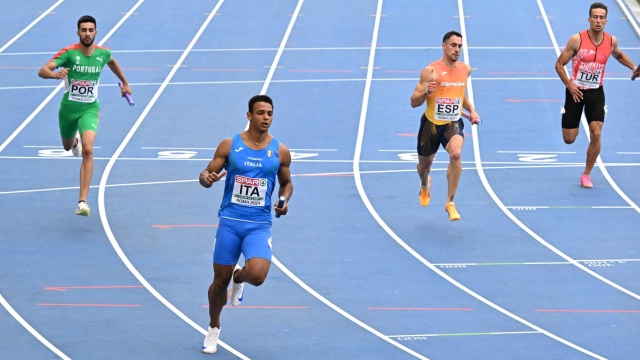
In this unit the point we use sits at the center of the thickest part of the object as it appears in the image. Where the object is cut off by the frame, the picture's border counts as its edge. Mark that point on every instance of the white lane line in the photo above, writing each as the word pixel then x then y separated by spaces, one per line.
pixel 363 114
pixel 105 176
pixel 629 17
pixel 175 148
pixel 2 300
pixel 517 165
pixel 313 149
pixel 283 43
pixel 315 49
pixel 381 222
pixel 604 172
pixel 30 329
pixel 462 334
pixel 592 261
pixel 57 88
pixel 231 82
pixel 294 175
pixel 628 153
pixel 278 263
pixel 535 152
pixel 33 23
pixel 526 207
pixel 583 119
pixel 340 311
pixel 50 147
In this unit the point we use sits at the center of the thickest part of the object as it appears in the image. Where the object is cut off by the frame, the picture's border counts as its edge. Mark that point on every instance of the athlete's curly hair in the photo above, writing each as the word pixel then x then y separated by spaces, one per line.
pixel 86 19
pixel 599 5
pixel 450 34
pixel 259 98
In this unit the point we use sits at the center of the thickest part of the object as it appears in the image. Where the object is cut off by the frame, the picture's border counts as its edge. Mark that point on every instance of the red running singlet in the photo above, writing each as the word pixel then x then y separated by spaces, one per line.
pixel 589 62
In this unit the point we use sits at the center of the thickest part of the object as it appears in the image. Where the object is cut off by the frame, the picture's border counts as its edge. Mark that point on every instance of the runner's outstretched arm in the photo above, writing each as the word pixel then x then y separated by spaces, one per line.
pixel 46 72
pixel 212 173
pixel 622 58
pixel 115 67
pixel 284 179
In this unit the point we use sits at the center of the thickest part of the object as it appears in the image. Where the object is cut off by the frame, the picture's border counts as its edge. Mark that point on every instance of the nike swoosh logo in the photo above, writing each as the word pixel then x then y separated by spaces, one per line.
pixel 241 297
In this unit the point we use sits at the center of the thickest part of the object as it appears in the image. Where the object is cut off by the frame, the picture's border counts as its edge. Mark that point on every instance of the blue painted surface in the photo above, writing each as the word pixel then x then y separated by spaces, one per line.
pixel 329 239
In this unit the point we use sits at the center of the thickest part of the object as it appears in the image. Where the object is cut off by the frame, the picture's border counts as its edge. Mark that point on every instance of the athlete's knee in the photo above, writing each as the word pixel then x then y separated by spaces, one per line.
pixel 87 151
pixel 422 167
pixel 595 134
pixel 569 137
pixel 217 288
pixel 455 156
pixel 256 278
pixel 219 285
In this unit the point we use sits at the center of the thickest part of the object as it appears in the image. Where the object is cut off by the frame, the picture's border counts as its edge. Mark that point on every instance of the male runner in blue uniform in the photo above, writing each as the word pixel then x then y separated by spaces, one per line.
pixel 251 160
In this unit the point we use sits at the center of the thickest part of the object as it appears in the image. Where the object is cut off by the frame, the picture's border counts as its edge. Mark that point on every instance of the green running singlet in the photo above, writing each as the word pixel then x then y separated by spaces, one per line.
pixel 79 108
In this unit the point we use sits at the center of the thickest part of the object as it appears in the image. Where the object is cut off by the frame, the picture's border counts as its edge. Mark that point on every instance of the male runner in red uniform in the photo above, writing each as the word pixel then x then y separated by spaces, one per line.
pixel 589 51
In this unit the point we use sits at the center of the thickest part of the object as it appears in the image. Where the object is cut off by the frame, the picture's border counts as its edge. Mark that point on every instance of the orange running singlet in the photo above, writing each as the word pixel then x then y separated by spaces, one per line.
pixel 445 104
pixel 589 62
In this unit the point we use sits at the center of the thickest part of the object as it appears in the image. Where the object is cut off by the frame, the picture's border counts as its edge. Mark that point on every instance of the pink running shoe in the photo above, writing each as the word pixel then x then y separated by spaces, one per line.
pixel 585 181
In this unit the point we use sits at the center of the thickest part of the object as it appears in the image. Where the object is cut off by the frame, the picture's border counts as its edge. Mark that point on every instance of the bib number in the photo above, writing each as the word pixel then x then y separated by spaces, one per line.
pixel 588 77
pixel 447 109
pixel 83 91
pixel 249 191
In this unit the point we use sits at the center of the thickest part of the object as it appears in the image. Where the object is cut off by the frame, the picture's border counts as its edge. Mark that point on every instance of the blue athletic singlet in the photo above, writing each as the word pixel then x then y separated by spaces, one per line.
pixel 251 178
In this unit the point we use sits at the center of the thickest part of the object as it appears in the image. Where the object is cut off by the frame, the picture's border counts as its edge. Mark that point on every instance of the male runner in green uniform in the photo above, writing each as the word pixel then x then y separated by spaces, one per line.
pixel 81 65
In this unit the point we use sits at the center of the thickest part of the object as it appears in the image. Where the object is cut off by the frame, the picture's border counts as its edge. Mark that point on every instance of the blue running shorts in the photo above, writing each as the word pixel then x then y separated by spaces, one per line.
pixel 235 236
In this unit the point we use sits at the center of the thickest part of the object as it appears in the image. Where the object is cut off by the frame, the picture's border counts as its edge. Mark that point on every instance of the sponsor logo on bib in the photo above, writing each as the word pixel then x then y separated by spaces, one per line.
pixel 447 109
pixel 589 75
pixel 84 91
pixel 249 191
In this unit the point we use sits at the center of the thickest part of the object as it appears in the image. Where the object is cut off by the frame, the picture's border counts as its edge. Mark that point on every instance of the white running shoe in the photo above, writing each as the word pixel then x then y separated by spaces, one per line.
pixel 83 209
pixel 210 344
pixel 76 150
pixel 236 294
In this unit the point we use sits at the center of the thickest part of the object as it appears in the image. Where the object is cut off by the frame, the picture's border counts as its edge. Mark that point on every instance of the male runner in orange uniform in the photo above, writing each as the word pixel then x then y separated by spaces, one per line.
pixel 442 84
pixel 589 51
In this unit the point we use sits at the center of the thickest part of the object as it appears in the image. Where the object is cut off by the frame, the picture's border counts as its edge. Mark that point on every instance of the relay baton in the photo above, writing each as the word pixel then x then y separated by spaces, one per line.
pixel 280 204
pixel 633 77
pixel 475 121
pixel 126 96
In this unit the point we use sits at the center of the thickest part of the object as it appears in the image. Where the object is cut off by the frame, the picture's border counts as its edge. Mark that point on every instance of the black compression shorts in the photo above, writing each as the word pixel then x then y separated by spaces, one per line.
pixel 592 102
pixel 431 135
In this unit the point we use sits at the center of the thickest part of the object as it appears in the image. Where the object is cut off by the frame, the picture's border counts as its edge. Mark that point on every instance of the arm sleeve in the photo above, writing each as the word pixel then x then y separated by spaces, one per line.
pixel 61 58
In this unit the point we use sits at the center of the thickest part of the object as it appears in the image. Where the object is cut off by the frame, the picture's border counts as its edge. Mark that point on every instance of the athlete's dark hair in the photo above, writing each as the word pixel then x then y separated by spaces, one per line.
pixel 86 19
pixel 599 5
pixel 450 34
pixel 259 98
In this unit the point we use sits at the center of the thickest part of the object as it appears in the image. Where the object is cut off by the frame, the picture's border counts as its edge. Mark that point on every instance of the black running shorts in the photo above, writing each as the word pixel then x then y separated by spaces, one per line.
pixel 431 135
pixel 592 102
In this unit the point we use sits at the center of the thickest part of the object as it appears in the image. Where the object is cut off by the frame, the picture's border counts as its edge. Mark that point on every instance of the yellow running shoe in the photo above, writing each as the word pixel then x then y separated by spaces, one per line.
pixel 453 212
pixel 425 197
